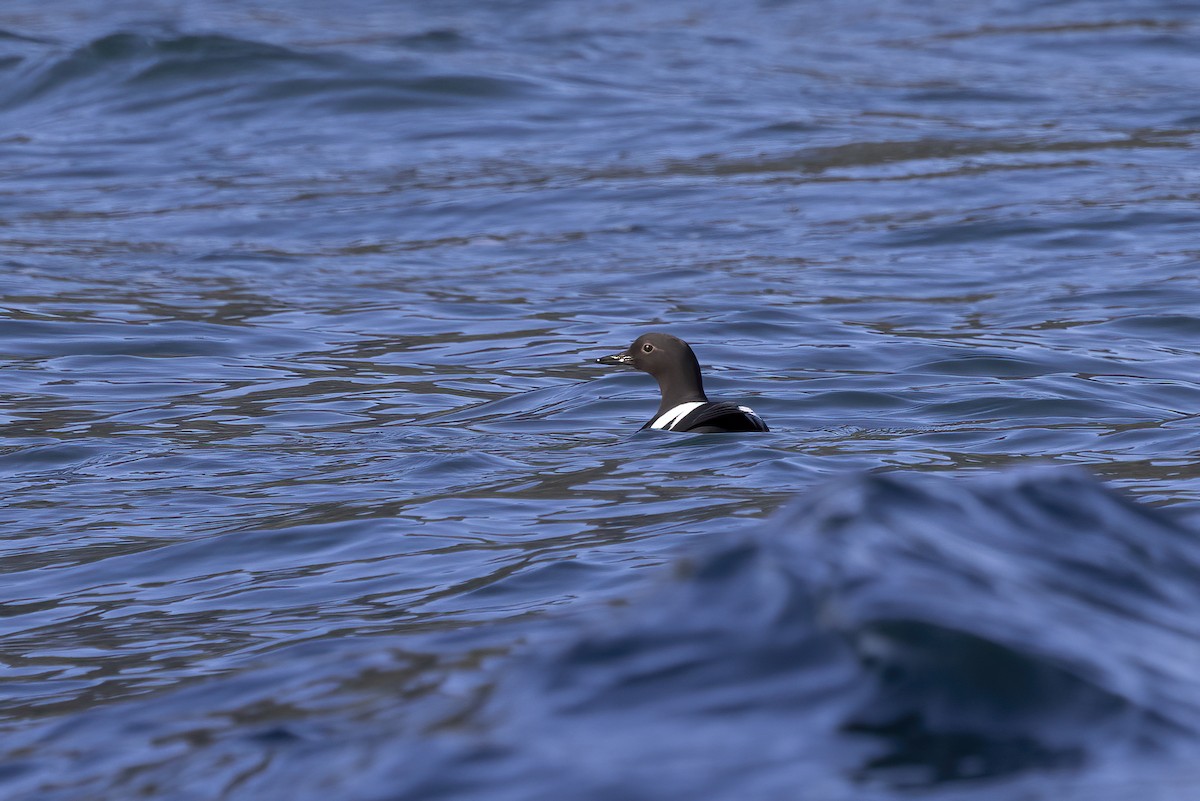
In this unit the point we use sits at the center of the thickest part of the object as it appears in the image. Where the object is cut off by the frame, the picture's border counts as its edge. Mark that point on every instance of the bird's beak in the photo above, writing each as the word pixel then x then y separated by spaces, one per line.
pixel 617 358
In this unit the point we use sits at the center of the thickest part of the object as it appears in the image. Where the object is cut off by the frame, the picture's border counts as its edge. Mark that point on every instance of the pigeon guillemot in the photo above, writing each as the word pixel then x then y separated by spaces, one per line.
pixel 684 405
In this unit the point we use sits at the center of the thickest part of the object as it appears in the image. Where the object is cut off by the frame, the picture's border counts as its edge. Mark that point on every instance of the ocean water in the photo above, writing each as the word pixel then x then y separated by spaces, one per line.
pixel 311 487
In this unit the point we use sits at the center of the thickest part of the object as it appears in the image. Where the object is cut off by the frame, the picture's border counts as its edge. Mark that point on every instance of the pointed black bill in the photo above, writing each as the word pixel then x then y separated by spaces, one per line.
pixel 617 358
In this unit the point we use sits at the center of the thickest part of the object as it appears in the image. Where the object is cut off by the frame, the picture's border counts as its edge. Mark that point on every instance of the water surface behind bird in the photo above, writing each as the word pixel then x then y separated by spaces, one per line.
pixel 302 438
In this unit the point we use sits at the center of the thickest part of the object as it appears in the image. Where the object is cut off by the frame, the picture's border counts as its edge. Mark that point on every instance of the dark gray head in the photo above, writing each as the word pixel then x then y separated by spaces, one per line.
pixel 670 361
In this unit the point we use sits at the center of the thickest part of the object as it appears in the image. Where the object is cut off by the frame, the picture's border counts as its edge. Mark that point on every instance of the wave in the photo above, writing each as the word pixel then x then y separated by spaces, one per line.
pixel 133 73
pixel 891 630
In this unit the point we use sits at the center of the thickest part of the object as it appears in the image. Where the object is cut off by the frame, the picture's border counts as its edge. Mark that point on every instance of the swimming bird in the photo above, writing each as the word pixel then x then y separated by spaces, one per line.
pixel 684 405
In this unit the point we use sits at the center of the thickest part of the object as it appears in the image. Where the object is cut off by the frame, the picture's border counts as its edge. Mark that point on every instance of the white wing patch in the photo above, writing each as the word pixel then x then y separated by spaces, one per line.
pixel 670 417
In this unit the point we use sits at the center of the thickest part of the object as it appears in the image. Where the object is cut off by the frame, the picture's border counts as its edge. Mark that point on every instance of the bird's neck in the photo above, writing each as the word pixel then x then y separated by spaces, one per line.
pixel 683 386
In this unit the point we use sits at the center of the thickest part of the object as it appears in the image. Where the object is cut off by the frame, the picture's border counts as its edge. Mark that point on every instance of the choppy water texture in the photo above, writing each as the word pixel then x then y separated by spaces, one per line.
pixel 311 489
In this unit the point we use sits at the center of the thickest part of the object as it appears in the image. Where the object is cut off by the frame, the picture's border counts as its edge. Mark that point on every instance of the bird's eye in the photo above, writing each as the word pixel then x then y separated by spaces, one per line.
pixel 647 348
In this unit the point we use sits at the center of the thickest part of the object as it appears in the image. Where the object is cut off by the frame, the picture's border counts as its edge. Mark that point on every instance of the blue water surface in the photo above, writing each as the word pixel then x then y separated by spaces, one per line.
pixel 312 488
